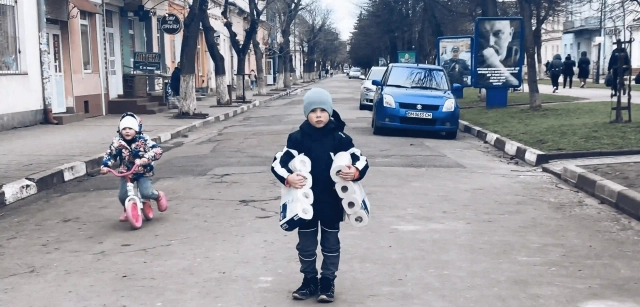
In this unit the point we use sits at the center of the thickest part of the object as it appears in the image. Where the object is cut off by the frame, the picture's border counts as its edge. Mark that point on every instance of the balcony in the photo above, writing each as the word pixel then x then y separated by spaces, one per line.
pixel 589 24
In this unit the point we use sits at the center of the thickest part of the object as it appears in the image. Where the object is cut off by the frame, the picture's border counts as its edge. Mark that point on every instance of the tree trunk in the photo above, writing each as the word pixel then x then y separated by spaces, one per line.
pixel 240 74
pixel 489 8
pixel 222 93
pixel 280 74
pixel 530 48
pixel 537 40
pixel 262 82
pixel 286 60
pixel 191 31
pixel 294 72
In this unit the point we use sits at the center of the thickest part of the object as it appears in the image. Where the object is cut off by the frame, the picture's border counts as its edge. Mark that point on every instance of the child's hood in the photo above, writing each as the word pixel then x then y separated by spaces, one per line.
pixel 335 124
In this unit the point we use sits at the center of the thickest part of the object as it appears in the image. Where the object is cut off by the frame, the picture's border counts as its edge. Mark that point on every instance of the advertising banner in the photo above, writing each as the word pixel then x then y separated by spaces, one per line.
pixel 499 52
pixel 454 55
pixel 407 57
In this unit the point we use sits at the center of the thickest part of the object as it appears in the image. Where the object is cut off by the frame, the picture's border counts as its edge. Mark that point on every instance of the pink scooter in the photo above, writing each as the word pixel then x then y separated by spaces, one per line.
pixel 135 207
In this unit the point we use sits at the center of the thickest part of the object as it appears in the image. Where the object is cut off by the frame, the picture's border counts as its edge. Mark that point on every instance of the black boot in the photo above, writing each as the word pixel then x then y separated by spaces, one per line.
pixel 327 289
pixel 308 288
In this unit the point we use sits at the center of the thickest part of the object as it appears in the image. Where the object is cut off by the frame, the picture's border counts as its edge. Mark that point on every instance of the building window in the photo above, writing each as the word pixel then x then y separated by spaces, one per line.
pixel 8 38
pixel 85 39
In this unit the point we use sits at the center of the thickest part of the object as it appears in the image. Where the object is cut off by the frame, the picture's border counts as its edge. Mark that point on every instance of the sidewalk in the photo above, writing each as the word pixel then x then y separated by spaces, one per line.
pixel 49 155
pixel 589 94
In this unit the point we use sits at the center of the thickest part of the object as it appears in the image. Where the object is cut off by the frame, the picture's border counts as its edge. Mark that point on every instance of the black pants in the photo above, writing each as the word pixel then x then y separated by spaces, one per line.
pixel 564 81
pixel 329 245
pixel 554 80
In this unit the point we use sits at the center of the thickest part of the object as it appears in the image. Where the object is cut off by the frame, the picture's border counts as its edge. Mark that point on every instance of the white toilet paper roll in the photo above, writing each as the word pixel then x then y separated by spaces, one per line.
pixel 351 204
pixel 305 211
pixel 304 195
pixel 309 181
pixel 300 164
pixel 340 161
pixel 359 219
pixel 347 188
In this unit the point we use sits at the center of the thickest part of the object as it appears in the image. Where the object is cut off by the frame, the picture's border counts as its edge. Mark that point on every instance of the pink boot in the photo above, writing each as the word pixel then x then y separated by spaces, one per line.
pixel 123 217
pixel 162 202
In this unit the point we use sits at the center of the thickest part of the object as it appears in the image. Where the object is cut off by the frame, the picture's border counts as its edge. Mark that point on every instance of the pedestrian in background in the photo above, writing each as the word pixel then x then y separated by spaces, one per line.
pixel 555 70
pixel 567 71
pixel 583 69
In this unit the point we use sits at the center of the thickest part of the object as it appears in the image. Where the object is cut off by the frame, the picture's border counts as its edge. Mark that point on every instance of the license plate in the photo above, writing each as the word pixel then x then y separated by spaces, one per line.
pixel 418 114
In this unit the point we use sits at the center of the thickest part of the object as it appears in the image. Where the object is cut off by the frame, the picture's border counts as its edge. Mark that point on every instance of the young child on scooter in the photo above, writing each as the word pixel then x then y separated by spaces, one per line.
pixel 132 147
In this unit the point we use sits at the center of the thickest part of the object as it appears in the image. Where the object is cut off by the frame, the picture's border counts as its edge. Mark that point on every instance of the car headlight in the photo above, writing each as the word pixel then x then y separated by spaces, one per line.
pixel 449 105
pixel 368 90
pixel 387 101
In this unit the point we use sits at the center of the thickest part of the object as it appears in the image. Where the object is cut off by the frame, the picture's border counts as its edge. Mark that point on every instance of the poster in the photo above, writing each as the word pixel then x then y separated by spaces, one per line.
pixel 407 57
pixel 499 54
pixel 454 55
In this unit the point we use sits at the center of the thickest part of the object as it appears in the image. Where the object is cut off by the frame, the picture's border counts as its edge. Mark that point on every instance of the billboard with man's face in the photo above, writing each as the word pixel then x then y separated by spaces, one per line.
pixel 498 51
pixel 455 57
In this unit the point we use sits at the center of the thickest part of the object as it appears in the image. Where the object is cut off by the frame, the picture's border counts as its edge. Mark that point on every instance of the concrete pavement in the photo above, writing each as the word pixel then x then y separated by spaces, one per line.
pixel 452 224
pixel 589 94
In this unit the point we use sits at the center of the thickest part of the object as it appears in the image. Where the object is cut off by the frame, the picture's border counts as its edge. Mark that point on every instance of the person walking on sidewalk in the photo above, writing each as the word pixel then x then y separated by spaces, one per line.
pixel 174 83
pixel 613 68
pixel 252 78
pixel 320 137
pixel 555 70
pixel 567 71
pixel 132 147
pixel 583 69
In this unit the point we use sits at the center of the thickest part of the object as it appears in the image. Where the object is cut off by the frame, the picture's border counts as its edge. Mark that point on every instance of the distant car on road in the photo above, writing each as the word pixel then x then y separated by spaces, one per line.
pixel 367 89
pixel 354 72
pixel 415 97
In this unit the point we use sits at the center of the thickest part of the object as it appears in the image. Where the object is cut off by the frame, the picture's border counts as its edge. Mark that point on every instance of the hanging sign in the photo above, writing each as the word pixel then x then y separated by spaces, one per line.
pixel 171 24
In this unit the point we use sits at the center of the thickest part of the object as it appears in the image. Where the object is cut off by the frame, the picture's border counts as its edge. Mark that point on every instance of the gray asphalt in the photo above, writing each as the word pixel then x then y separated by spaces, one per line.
pixel 453 224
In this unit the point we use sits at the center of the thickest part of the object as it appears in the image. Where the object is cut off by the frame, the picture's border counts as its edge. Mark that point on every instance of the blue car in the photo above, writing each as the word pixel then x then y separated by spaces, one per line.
pixel 415 97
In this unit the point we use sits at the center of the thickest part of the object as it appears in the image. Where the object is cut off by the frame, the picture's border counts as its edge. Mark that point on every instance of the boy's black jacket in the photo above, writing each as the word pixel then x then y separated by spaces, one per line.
pixel 319 145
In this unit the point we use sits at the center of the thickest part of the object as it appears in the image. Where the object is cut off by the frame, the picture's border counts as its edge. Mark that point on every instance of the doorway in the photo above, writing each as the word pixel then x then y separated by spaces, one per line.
pixel 269 72
pixel 54 40
pixel 113 47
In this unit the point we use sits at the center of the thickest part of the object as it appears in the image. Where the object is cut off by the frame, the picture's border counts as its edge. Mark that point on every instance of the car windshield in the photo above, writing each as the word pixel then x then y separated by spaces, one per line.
pixel 418 77
pixel 355 69
pixel 376 74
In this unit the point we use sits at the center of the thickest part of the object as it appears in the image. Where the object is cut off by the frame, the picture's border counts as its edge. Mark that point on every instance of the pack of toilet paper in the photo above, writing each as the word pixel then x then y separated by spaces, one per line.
pixel 354 199
pixel 295 204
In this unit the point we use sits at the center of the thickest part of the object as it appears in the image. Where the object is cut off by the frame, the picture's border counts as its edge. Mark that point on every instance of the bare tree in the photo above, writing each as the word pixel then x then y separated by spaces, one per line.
pixel 313 20
pixel 187 104
pixel 257 43
pixel 220 73
pixel 242 48
pixel 286 11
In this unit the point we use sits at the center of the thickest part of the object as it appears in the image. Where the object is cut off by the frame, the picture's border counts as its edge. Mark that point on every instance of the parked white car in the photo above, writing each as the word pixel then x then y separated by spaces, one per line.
pixel 354 73
pixel 367 89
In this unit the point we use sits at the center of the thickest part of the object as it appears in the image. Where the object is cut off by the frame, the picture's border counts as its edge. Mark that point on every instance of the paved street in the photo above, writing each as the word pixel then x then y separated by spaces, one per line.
pixel 452 224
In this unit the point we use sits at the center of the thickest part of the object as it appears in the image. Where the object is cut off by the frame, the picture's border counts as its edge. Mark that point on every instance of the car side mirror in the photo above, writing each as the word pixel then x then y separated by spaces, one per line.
pixel 457 90
pixel 376 82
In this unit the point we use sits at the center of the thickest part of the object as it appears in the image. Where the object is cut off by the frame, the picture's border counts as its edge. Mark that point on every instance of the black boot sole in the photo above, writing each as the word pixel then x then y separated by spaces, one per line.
pixel 325 299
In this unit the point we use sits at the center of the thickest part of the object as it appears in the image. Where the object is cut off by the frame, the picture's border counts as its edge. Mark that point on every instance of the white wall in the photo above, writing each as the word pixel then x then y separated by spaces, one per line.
pixel 23 92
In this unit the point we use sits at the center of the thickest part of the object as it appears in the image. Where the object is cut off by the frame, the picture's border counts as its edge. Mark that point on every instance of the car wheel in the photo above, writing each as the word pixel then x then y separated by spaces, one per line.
pixel 362 107
pixel 376 130
pixel 451 135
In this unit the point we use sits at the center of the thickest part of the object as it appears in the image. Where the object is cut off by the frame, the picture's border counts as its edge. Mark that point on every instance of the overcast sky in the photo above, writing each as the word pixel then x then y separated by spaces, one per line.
pixel 345 13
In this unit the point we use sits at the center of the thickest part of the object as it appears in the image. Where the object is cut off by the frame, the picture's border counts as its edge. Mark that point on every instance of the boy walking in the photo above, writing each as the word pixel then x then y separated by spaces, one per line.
pixel 320 137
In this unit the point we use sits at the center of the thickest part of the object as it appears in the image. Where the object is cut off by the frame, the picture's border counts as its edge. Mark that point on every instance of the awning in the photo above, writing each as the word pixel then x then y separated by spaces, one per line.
pixel 85 5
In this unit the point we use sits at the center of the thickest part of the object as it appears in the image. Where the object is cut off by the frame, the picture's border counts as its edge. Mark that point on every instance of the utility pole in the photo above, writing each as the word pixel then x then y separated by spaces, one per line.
pixel 45 65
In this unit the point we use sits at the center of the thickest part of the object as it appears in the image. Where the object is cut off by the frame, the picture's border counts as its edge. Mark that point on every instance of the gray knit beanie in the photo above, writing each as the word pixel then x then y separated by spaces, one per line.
pixel 317 98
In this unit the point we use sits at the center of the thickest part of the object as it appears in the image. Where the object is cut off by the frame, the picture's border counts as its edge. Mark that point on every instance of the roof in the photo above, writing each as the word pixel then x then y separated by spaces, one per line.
pixel 416 65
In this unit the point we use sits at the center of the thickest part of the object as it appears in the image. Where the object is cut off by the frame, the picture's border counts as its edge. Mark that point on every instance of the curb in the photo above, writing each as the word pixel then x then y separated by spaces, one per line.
pixel 527 154
pixel 615 195
pixel 33 184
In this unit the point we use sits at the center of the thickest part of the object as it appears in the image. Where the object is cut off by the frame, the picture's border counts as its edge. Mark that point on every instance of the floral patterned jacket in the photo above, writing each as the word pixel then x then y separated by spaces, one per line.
pixel 142 147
